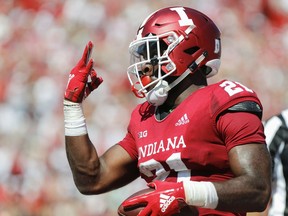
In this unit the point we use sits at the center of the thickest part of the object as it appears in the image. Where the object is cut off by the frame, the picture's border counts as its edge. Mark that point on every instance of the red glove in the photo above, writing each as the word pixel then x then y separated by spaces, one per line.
pixel 167 199
pixel 78 87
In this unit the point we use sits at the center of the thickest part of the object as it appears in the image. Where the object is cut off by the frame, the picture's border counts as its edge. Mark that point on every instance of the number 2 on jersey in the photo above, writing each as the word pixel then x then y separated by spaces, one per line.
pixel 174 162
pixel 233 88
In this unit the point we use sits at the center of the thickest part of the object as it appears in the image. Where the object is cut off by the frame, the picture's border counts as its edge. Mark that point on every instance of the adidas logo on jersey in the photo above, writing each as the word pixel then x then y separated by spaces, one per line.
pixel 183 120
pixel 165 201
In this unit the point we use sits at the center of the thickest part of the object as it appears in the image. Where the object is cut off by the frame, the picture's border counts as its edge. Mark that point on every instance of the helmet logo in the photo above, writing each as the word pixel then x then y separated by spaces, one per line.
pixel 217 45
pixel 184 19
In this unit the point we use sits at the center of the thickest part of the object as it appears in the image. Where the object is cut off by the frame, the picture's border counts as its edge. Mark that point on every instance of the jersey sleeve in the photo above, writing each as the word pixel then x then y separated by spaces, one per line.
pixel 227 94
pixel 128 143
pixel 240 128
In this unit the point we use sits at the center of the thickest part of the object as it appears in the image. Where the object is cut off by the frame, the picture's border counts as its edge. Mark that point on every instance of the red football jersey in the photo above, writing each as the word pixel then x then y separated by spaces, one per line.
pixel 193 141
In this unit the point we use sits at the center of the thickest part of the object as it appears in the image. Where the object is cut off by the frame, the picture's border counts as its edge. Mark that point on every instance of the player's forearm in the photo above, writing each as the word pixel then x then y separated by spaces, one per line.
pixel 81 153
pixel 83 161
pixel 250 190
pixel 242 194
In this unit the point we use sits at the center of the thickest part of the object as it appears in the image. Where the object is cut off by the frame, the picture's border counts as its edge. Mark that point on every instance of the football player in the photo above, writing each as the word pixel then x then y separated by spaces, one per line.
pixel 196 144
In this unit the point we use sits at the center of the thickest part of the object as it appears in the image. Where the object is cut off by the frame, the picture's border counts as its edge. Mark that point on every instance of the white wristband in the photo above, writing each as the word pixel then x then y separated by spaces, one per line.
pixel 74 119
pixel 201 194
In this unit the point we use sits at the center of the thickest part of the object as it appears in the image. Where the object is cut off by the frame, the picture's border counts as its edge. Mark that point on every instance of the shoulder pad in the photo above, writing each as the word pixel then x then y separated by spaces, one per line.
pixel 247 106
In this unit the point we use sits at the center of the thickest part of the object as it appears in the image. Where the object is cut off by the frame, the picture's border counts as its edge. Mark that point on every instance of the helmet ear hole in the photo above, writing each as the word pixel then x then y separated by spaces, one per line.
pixel 191 50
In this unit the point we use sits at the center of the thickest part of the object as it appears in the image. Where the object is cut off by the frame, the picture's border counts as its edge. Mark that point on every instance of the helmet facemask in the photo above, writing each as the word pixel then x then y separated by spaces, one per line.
pixel 149 60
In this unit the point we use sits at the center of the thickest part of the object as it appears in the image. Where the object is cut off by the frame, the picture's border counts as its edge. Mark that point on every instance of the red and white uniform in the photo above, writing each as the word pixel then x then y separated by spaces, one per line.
pixel 193 141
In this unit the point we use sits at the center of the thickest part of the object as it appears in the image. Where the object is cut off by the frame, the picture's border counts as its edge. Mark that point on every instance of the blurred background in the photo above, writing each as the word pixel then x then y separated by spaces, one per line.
pixel 40 42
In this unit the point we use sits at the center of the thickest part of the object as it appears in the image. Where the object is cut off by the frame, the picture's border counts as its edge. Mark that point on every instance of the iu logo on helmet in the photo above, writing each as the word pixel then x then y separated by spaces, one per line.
pixel 184 19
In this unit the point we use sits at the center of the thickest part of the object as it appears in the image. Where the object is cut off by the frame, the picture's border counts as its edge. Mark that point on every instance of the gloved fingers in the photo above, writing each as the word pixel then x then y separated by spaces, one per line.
pixel 154 214
pixel 86 54
pixel 89 66
pixel 134 201
pixel 153 184
pixel 89 52
pixel 146 212
pixel 95 80
pixel 82 74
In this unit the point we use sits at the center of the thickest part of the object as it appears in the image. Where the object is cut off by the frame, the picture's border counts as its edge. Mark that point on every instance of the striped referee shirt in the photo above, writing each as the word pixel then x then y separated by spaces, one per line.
pixel 276 132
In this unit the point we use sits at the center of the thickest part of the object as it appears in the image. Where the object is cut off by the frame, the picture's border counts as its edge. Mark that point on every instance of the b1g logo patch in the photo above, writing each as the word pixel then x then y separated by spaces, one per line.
pixel 142 134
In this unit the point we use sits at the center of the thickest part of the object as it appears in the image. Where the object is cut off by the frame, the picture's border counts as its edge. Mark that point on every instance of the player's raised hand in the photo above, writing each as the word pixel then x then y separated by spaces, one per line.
pixel 78 87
